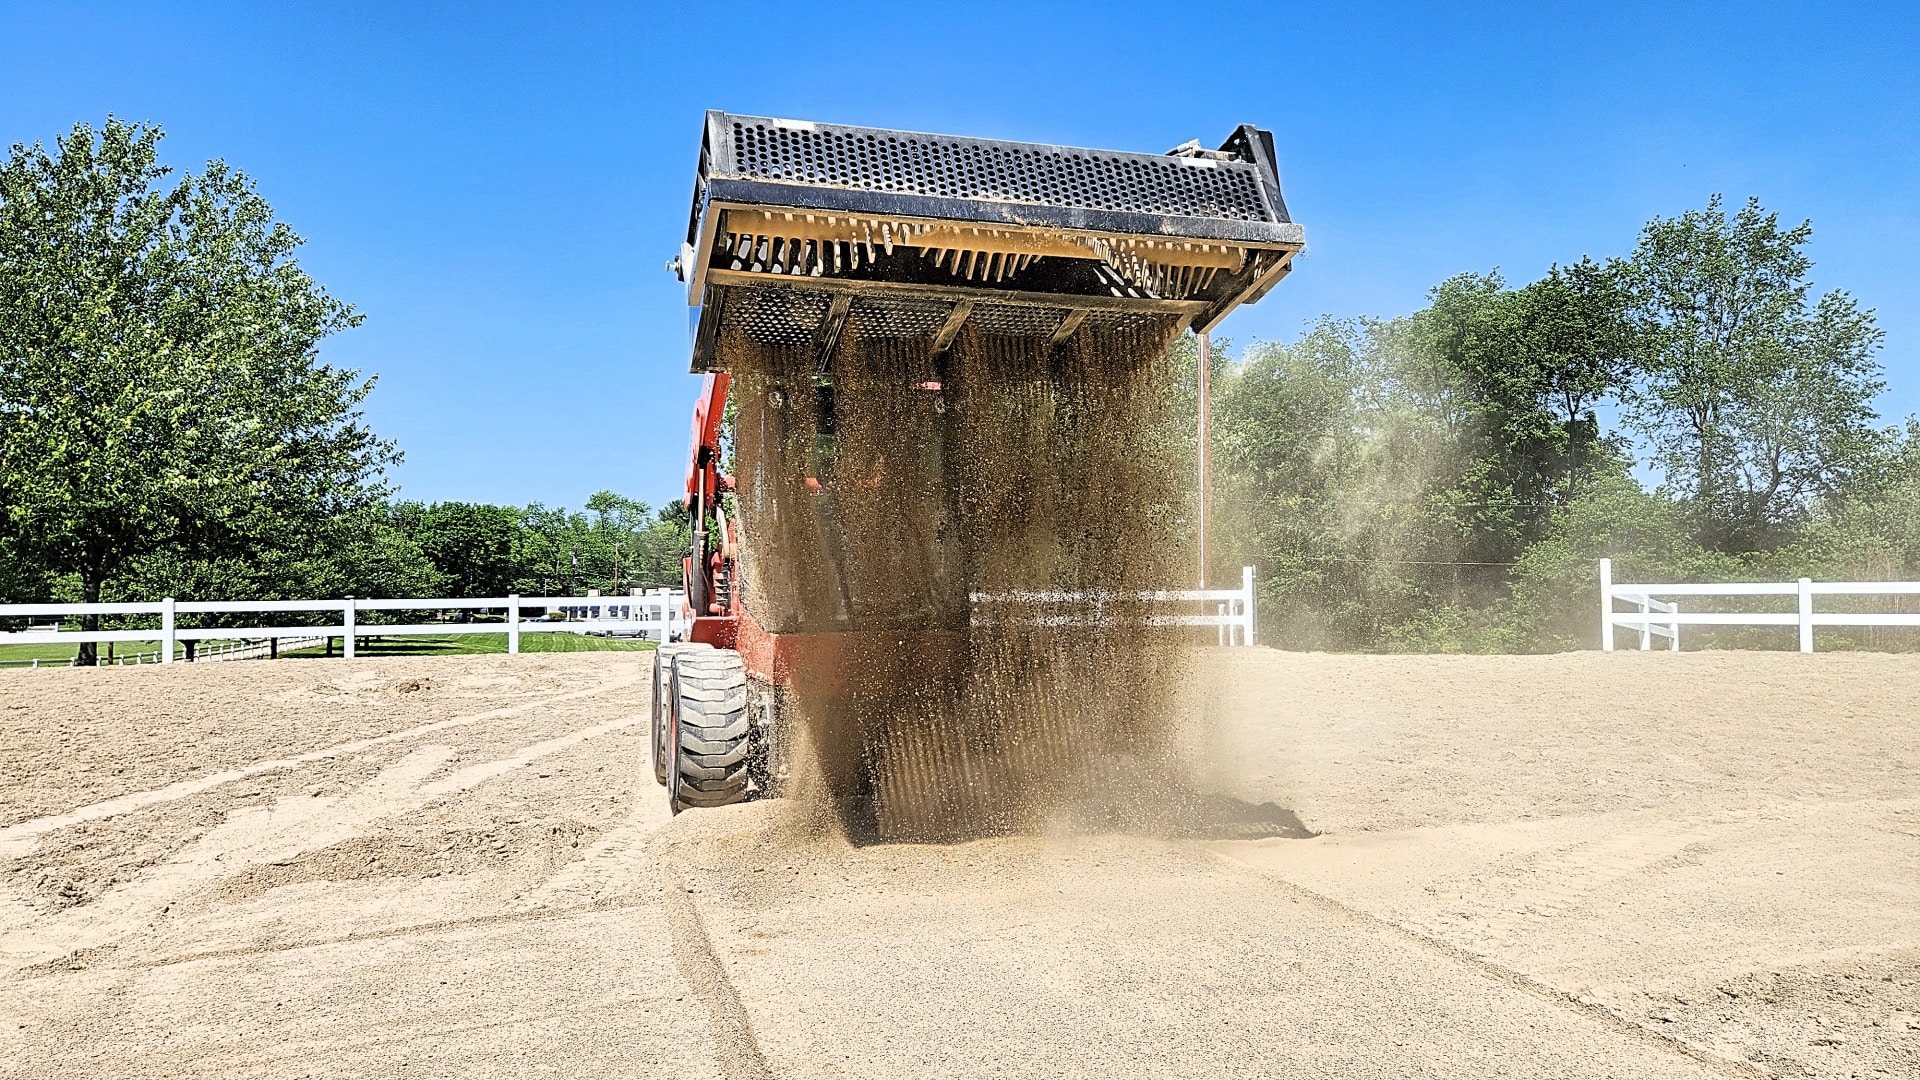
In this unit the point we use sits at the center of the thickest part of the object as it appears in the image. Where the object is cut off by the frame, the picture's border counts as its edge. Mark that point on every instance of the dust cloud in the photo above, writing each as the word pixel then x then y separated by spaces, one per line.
pixel 966 538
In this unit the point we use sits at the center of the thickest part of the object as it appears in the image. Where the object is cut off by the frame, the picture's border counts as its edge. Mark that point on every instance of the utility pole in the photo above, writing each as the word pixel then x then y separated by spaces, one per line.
pixel 1206 495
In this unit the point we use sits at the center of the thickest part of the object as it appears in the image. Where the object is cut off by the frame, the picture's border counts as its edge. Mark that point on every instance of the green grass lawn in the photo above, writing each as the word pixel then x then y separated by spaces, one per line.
pixel 57 653
pixel 470 644
pixel 61 652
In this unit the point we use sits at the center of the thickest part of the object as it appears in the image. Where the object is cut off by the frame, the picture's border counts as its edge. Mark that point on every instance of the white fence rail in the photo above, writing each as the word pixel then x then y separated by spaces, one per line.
pixel 1232 613
pixel 1663 619
pixel 654 615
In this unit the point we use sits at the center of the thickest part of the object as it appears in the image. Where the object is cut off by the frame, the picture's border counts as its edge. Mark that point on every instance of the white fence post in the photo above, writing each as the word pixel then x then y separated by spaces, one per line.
pixel 346 642
pixel 1673 642
pixel 166 630
pixel 1806 614
pixel 513 624
pixel 1246 582
pixel 1606 604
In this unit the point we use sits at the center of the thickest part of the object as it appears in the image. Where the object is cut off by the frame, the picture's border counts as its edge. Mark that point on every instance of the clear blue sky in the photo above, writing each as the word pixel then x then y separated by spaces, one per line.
pixel 497 186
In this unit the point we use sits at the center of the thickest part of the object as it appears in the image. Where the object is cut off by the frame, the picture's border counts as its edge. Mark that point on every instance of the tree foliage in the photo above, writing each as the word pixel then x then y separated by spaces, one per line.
pixel 1448 479
pixel 615 544
pixel 159 386
pixel 1754 400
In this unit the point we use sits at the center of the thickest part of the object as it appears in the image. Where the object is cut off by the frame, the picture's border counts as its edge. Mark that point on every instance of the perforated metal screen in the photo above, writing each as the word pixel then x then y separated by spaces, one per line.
pixel 867 159
pixel 786 316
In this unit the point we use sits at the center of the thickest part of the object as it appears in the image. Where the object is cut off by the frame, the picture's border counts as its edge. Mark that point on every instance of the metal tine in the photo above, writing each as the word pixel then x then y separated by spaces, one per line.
pixel 886 236
pixel 816 262
pixel 836 255
pixel 760 253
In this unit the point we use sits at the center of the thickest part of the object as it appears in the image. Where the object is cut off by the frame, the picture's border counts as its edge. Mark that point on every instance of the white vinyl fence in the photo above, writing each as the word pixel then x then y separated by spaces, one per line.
pixel 1229 611
pixel 1656 618
pixel 654 615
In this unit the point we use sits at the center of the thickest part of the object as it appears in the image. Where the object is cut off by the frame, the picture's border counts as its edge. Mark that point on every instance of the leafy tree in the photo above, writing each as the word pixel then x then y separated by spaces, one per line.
pixel 1556 587
pixel 158 382
pixel 1872 531
pixel 21 581
pixel 475 547
pixel 358 554
pixel 1754 399
pixel 616 545
pixel 1523 372
pixel 1336 455
pixel 1576 340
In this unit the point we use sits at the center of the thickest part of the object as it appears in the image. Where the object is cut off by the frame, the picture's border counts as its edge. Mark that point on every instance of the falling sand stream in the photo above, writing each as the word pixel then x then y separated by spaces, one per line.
pixel 976 528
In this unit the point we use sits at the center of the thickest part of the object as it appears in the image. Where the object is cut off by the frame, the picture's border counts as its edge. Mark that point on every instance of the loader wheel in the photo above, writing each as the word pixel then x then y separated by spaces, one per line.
pixel 708 729
pixel 662 686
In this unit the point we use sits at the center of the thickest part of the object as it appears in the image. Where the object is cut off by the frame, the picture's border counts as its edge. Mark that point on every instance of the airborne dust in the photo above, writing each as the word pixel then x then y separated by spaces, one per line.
pixel 974 530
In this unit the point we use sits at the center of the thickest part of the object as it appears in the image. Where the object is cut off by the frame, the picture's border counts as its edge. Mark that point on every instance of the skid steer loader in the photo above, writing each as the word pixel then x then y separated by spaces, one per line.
pixel 803 236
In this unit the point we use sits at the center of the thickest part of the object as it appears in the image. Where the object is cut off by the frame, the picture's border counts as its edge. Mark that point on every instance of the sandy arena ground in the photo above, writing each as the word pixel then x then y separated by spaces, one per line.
pixel 1570 866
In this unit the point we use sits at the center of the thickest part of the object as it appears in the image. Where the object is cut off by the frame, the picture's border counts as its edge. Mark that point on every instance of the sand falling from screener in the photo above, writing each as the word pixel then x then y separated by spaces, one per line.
pixel 978 527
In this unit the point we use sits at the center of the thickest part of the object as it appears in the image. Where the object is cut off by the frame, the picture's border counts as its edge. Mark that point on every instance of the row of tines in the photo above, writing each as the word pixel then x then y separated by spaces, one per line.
pixel 1125 271
pixel 800 255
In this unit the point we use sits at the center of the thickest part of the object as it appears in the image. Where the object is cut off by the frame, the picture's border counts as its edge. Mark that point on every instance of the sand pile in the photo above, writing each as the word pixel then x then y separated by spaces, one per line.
pixel 979 525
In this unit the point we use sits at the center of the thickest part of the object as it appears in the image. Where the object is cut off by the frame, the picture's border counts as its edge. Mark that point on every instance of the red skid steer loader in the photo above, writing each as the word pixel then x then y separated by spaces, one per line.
pixel 803 235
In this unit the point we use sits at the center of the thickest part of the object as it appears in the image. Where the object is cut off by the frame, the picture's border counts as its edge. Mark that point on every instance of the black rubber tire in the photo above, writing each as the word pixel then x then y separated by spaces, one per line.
pixel 662 687
pixel 710 730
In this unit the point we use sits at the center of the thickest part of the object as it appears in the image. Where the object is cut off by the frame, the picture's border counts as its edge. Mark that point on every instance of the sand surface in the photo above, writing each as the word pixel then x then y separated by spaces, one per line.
pixel 1569 866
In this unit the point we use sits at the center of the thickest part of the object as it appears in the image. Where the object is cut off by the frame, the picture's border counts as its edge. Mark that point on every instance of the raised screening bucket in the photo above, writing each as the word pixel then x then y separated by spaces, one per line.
pixel 797 228
pixel 944 352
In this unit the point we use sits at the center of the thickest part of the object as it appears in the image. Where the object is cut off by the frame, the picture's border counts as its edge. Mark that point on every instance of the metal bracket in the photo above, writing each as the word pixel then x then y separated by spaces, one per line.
pixel 1068 325
pixel 828 334
pixel 955 319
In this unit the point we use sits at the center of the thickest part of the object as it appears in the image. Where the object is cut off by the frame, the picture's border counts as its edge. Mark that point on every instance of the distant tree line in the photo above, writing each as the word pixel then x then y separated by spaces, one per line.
pixel 1449 479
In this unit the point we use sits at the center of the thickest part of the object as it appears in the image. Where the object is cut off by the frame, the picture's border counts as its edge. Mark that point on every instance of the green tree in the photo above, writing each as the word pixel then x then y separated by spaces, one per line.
pixel 1518 375
pixel 1754 399
pixel 475 547
pixel 1340 456
pixel 617 544
pixel 360 553
pixel 1556 586
pixel 158 382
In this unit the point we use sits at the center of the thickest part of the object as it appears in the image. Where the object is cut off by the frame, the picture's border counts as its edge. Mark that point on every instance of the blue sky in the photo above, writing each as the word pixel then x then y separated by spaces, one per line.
pixel 497 186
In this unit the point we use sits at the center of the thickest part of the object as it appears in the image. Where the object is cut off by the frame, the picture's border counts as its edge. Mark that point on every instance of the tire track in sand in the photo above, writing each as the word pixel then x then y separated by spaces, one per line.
pixel 19 839
pixel 257 835
pixel 735 1047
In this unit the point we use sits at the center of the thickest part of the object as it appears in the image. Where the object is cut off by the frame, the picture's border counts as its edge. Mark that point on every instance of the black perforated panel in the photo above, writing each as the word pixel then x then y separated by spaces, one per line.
pixel 899 317
pixel 867 159
pixel 776 316
pixel 1016 320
